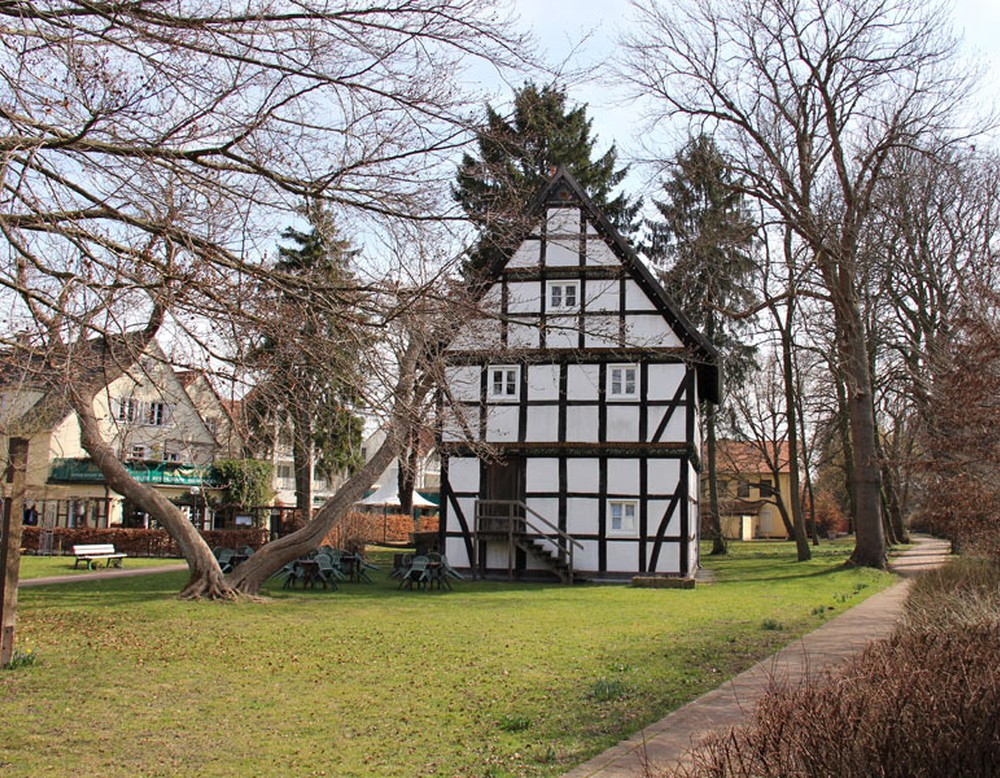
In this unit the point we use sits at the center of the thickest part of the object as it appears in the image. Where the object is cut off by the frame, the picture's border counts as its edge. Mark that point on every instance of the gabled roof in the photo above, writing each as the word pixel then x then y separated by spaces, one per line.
pixel 748 457
pixel 562 190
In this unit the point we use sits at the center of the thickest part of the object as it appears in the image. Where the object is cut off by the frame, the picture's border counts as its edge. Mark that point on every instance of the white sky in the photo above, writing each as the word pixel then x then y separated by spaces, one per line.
pixel 559 25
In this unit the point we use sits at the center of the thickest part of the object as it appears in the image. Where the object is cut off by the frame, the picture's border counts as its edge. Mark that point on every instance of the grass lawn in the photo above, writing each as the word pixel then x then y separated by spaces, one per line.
pixel 491 679
pixel 44 566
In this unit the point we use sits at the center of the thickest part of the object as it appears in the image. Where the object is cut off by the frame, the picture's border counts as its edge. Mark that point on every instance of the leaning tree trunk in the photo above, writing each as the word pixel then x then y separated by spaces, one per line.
pixel 248 577
pixel 206 578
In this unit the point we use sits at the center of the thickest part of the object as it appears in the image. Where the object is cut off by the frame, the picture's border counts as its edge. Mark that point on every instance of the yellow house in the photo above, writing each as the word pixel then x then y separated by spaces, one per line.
pixel 147 417
pixel 754 489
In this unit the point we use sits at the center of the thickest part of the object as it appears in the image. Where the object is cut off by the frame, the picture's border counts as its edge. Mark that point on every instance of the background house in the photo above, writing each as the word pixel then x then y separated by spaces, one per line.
pixel 754 485
pixel 581 380
pixel 151 421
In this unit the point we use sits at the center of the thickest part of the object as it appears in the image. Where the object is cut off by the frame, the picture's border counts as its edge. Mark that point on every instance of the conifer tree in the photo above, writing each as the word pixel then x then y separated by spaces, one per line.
pixel 703 246
pixel 308 388
pixel 517 154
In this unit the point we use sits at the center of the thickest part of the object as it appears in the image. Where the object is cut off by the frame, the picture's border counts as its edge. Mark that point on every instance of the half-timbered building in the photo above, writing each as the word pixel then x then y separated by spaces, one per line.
pixel 569 437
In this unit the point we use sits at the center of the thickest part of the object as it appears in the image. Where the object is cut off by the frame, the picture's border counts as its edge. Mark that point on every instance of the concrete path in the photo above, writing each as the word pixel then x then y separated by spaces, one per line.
pixel 113 572
pixel 666 743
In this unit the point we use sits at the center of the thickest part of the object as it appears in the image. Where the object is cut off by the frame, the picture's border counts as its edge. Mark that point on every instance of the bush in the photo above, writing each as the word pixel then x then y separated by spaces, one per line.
pixel 355 530
pixel 138 542
pixel 926 702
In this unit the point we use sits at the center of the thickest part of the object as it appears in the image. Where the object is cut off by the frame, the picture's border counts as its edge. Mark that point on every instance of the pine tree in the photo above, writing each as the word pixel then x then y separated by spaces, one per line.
pixel 518 154
pixel 308 357
pixel 703 243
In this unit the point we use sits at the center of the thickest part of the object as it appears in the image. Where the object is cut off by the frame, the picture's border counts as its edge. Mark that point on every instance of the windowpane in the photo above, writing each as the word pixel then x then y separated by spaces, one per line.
pixel 622 515
pixel 623 381
pixel 555 299
pixel 570 295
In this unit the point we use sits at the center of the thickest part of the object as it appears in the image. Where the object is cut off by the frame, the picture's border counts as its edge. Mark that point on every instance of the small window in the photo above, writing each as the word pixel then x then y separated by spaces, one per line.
pixel 503 382
pixel 171 456
pixel 156 414
pixel 564 295
pixel 743 488
pixel 766 489
pixel 623 381
pixel 623 517
pixel 137 453
pixel 126 409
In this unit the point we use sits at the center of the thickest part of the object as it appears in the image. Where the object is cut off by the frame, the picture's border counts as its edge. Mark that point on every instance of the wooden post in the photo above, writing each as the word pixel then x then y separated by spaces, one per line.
pixel 10 550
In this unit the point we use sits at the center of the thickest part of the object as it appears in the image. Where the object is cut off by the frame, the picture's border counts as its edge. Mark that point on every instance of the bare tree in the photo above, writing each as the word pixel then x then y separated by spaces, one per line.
pixel 148 152
pixel 811 98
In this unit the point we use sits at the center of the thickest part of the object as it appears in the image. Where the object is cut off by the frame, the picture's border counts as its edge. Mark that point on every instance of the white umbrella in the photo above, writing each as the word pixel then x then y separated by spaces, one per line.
pixel 387 497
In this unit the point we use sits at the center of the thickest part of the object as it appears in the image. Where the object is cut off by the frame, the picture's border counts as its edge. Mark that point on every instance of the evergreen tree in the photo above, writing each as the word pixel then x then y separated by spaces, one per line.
pixel 703 243
pixel 518 154
pixel 307 356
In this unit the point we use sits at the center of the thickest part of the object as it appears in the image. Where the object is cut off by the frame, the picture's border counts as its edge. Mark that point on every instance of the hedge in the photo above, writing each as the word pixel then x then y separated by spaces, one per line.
pixel 137 542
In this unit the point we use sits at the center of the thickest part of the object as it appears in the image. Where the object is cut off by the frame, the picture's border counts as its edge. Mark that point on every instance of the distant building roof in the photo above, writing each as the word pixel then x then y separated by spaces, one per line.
pixel 737 456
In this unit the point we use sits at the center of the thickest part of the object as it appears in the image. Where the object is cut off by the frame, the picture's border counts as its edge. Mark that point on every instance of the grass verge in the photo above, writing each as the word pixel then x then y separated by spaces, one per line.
pixel 488 680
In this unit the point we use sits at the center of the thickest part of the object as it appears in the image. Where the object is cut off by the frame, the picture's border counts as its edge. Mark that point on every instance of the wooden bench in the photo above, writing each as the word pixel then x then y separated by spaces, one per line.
pixel 93 553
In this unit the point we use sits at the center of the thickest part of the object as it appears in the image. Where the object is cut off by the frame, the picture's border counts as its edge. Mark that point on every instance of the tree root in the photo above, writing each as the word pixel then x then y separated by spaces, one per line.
pixel 208 587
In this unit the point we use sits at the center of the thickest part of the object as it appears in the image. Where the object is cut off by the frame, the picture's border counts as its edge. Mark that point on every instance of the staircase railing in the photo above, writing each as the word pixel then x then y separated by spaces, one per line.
pixel 515 520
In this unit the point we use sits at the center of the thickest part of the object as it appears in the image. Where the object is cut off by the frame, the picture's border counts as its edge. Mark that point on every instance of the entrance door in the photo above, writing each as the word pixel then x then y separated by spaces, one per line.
pixel 504 481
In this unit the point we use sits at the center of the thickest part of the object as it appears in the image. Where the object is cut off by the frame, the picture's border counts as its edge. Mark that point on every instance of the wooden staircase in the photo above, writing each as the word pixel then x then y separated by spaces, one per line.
pixel 524 528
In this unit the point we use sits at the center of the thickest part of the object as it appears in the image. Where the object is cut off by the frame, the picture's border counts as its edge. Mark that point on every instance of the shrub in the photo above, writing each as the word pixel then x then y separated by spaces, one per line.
pixel 138 542
pixel 248 481
pixel 926 702
pixel 356 529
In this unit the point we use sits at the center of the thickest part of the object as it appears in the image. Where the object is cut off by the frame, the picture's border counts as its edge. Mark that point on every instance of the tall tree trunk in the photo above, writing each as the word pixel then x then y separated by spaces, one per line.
pixel 406 477
pixel 844 430
pixel 718 539
pixel 788 369
pixel 870 547
pixel 302 455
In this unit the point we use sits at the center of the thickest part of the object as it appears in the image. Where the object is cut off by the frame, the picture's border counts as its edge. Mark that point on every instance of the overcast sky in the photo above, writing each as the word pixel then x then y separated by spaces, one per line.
pixel 560 25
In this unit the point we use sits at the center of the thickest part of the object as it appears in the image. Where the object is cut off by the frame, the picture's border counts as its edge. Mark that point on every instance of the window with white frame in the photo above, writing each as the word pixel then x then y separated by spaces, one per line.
pixel 138 453
pixel 171 456
pixel 126 409
pixel 623 517
pixel 564 295
pixel 623 381
pixel 503 382
pixel 157 414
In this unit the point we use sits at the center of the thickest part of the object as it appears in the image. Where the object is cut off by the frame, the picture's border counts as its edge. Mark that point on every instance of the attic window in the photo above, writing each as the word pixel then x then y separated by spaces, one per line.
pixel 563 295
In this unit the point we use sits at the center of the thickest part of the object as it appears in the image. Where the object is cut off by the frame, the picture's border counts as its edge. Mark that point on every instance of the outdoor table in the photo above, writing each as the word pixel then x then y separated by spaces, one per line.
pixel 352 566
pixel 237 559
pixel 310 573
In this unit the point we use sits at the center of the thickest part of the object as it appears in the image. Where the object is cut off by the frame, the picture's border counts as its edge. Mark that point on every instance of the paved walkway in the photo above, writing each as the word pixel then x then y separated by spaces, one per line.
pixel 666 743
pixel 114 572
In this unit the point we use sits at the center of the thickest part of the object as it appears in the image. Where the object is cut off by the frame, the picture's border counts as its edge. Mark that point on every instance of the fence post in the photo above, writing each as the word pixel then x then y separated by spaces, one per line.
pixel 10 551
